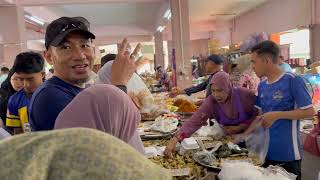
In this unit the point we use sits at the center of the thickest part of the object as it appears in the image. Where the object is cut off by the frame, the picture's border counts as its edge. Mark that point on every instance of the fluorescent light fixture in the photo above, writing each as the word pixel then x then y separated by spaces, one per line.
pixel 161 28
pixel 167 14
pixel 34 19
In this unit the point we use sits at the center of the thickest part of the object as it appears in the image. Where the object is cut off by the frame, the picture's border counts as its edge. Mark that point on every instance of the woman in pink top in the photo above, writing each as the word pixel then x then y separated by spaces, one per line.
pixel 248 77
pixel 233 108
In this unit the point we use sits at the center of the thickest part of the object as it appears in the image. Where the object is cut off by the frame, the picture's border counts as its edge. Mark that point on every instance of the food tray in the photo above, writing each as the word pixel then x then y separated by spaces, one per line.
pixel 157 135
pixel 219 168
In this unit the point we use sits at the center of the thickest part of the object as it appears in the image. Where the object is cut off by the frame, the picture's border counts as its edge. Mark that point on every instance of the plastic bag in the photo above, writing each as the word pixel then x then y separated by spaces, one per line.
pixel 214 131
pixel 257 143
pixel 235 170
pixel 277 173
pixel 136 86
pixel 165 124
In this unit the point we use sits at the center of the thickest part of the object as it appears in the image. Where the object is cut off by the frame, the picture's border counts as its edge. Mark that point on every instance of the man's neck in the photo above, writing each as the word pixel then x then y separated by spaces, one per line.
pixel 216 70
pixel 82 85
pixel 273 74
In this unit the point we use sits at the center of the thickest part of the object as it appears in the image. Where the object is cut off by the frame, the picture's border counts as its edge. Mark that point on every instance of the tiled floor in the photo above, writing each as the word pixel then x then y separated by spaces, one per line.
pixel 310 166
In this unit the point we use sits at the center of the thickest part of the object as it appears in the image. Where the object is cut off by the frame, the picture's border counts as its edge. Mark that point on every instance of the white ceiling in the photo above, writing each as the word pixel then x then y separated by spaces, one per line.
pixel 112 19
pixel 202 10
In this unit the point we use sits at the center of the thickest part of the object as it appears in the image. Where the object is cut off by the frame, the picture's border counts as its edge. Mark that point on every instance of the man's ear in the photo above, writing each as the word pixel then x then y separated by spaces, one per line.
pixel 47 54
pixel 43 74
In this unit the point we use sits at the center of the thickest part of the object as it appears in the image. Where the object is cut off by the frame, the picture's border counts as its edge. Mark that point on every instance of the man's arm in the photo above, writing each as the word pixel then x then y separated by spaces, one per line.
pixel 200 87
pixel 269 118
pixel 13 119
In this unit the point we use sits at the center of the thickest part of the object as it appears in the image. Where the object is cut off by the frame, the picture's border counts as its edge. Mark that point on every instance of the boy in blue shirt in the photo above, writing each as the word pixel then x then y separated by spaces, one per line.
pixel 29 68
pixel 283 99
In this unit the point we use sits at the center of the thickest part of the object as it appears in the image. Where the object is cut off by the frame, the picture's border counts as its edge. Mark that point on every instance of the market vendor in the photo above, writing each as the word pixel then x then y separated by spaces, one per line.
pixel 163 77
pixel 233 108
pixel 214 64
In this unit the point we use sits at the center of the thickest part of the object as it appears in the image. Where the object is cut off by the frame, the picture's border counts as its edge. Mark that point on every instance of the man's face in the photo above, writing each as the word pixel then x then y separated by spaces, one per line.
pixel 259 64
pixel 31 81
pixel 72 59
pixel 210 66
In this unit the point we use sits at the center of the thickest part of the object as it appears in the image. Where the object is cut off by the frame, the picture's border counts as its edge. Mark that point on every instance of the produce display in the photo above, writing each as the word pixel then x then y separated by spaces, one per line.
pixel 224 152
pixel 176 161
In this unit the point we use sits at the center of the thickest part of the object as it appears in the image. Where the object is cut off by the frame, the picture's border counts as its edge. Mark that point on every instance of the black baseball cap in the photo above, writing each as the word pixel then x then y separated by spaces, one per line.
pixel 58 29
pixel 215 58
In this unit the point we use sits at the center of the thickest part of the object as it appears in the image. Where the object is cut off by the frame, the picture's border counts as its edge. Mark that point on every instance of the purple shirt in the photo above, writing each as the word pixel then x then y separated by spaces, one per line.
pixel 210 109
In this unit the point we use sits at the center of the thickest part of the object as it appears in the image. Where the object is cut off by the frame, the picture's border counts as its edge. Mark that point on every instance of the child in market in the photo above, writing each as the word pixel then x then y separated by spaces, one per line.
pixel 283 99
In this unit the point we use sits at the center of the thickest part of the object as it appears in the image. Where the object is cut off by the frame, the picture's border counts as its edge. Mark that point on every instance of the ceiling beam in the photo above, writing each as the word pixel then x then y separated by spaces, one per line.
pixel 64 2
pixel 100 41
pixel 7 2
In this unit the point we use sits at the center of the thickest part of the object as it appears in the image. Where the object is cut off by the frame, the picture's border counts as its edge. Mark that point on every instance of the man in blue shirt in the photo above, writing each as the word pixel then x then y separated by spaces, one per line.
pixel 69 49
pixel 214 64
pixel 29 68
pixel 284 100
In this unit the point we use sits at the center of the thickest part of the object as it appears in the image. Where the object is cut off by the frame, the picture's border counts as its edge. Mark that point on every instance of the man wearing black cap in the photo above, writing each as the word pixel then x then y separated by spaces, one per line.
pixel 214 64
pixel 69 49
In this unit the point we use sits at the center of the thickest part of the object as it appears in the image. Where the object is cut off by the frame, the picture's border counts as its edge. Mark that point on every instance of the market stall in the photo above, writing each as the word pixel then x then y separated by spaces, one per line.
pixel 201 156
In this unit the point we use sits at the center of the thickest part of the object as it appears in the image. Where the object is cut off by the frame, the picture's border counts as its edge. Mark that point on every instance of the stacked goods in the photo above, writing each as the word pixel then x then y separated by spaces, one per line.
pixel 185 106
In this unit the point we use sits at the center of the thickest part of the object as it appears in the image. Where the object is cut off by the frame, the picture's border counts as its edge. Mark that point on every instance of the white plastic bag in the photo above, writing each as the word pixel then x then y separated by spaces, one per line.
pixel 240 170
pixel 257 143
pixel 136 85
pixel 214 131
pixel 165 124
pixel 277 173
pixel 236 170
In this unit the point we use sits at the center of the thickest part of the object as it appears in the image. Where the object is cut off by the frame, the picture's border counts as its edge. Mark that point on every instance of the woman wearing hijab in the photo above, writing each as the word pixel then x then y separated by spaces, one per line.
pixel 105 108
pixel 248 77
pixel 233 108
pixel 163 77
pixel 10 86
pixel 77 153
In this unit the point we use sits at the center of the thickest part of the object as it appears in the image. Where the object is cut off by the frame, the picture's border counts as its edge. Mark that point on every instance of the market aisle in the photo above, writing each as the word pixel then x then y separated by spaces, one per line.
pixel 310 166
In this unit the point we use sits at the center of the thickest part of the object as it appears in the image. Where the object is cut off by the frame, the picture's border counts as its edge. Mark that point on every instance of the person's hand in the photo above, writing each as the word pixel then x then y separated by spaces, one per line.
pixel 170 148
pixel 269 118
pixel 199 102
pixel 232 129
pixel 124 65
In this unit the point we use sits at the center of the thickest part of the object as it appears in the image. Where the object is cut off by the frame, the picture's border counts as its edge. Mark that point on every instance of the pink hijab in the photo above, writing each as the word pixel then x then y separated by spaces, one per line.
pixel 105 108
pixel 223 81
